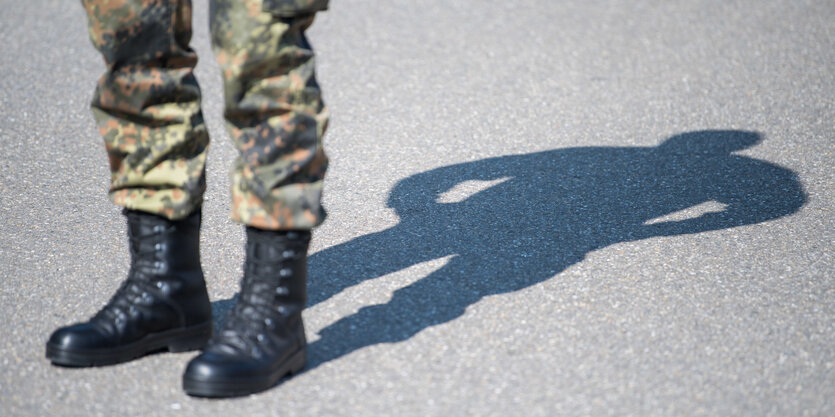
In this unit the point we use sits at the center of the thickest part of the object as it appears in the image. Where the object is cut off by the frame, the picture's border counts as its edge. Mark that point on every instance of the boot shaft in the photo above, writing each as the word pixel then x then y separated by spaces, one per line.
pixel 166 254
pixel 175 243
pixel 278 261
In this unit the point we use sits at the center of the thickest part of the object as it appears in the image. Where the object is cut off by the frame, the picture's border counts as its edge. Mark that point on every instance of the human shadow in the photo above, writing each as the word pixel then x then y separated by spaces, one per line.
pixel 552 209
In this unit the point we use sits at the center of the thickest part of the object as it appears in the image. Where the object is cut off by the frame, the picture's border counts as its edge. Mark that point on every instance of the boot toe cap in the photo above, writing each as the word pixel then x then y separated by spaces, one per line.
pixel 213 366
pixel 79 336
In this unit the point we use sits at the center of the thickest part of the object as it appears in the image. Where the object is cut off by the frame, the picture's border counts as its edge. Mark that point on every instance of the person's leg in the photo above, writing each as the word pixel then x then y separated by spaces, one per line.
pixel 147 106
pixel 274 113
pixel 276 117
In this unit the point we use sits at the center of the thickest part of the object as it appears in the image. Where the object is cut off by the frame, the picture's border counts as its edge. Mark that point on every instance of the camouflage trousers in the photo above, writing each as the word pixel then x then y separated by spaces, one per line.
pixel 147 107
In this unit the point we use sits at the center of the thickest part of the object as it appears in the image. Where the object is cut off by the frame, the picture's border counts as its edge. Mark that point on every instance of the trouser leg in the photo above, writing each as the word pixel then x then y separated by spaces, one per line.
pixel 274 111
pixel 147 104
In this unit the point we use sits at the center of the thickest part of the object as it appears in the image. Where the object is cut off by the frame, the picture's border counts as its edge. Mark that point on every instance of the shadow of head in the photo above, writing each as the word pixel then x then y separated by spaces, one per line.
pixel 710 142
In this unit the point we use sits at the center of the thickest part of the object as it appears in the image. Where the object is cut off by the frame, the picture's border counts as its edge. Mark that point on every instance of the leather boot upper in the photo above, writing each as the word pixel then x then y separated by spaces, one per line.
pixel 265 326
pixel 164 288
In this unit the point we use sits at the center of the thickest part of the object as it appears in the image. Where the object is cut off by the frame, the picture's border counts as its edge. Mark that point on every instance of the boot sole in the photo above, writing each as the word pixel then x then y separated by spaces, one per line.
pixel 224 388
pixel 175 340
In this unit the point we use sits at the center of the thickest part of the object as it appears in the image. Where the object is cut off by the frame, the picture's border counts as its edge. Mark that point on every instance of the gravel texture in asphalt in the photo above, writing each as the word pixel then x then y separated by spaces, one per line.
pixel 536 208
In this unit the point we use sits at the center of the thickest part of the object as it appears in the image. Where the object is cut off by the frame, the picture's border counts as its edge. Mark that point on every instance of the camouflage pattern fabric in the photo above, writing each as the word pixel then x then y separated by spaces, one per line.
pixel 274 113
pixel 291 8
pixel 147 107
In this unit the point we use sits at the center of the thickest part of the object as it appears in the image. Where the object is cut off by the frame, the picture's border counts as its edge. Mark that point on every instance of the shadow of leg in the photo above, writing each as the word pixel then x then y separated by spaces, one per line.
pixel 435 299
pixel 334 269
pixel 220 310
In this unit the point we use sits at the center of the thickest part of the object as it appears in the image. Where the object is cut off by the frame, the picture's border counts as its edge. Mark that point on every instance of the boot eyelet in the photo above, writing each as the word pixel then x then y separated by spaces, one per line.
pixel 132 310
pixel 281 290
pixel 269 322
pixel 158 228
pixel 281 310
pixel 285 272
pixel 292 235
pixel 158 246
pixel 260 337
pixel 288 254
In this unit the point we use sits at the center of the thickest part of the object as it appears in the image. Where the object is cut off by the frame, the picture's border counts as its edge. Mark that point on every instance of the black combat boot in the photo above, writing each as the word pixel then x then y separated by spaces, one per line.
pixel 163 303
pixel 263 338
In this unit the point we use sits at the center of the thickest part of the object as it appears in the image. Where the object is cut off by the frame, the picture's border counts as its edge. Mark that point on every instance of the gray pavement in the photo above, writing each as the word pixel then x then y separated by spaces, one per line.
pixel 537 208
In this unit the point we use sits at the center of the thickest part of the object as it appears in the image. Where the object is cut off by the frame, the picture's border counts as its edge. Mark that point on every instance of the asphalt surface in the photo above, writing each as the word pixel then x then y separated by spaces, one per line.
pixel 536 208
